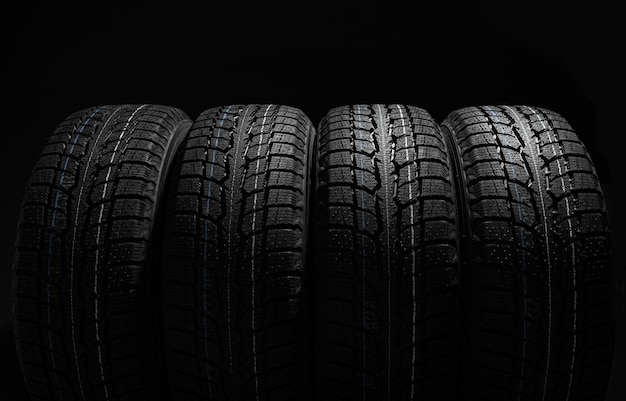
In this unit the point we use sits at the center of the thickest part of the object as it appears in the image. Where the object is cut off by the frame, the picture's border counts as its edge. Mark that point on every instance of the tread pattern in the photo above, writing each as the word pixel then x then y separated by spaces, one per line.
pixel 386 302
pixel 236 254
pixel 538 319
pixel 81 277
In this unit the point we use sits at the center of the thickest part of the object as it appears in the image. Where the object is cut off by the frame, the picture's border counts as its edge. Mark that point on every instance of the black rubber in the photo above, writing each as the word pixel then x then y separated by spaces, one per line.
pixel 84 274
pixel 386 308
pixel 235 256
pixel 538 292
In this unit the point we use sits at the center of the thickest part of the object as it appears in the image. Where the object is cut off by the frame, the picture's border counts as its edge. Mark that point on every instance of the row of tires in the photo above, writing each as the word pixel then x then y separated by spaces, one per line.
pixel 248 256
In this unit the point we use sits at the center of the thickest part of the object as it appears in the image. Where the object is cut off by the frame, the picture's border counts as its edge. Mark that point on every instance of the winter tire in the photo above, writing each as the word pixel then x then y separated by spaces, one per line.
pixel 537 303
pixel 235 258
pixel 386 290
pixel 84 271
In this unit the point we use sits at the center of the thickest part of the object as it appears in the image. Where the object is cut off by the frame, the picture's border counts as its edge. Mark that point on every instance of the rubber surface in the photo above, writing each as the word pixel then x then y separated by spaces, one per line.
pixel 386 309
pixel 538 294
pixel 83 270
pixel 235 257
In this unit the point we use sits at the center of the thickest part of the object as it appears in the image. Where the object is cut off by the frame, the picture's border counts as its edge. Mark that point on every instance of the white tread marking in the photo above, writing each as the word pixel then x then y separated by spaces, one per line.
pixel 385 162
pixel 95 284
pixel 529 140
pixel 256 179
pixel 78 204
pixel 413 260
pixel 571 235
pixel 230 231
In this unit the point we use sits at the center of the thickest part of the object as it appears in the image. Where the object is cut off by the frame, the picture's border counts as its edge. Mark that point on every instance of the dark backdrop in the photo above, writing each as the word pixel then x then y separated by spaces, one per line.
pixel 57 60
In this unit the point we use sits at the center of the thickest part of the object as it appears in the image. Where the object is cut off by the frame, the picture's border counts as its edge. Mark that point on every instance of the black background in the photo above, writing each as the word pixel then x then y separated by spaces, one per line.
pixel 57 60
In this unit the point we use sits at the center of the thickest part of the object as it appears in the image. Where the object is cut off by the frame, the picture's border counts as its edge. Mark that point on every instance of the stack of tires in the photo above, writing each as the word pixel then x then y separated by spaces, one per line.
pixel 247 256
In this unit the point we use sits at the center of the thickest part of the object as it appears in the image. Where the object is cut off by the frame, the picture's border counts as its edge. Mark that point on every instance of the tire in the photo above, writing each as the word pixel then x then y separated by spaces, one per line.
pixel 538 293
pixel 83 269
pixel 387 287
pixel 235 258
